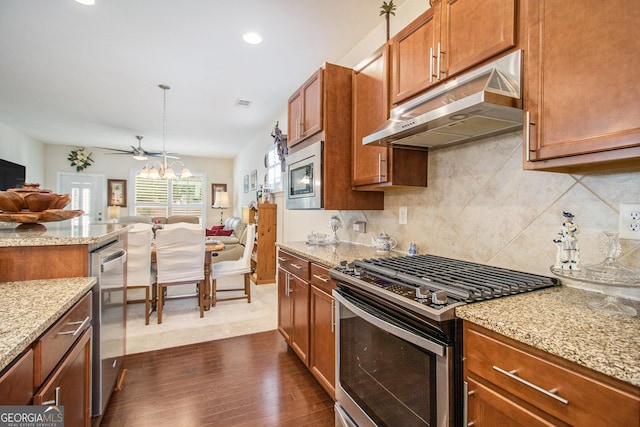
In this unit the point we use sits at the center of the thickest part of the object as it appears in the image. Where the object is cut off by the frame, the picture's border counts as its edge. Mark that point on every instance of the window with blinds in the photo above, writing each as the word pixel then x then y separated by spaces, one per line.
pixel 273 177
pixel 165 197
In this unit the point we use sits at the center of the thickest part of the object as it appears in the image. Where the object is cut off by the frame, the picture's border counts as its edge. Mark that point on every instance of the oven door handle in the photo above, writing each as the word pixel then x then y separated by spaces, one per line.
pixel 433 347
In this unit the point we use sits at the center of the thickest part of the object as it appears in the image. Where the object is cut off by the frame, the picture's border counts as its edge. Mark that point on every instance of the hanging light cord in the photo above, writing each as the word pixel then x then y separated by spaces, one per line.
pixel 164 88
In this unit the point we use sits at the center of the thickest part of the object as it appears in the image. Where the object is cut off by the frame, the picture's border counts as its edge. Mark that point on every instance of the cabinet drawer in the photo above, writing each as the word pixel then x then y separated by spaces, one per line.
pixel 294 264
pixel 55 343
pixel 508 365
pixel 16 384
pixel 320 278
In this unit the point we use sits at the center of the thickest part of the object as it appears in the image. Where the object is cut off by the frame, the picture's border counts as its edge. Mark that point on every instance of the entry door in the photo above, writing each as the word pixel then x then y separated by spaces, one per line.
pixel 87 193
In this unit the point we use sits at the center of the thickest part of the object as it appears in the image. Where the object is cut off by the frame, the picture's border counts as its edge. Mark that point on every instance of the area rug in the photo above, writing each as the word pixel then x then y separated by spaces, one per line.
pixel 181 322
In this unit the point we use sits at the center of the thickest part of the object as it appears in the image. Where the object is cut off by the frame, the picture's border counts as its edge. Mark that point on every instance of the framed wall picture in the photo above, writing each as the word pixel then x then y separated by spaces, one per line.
pixel 214 189
pixel 117 192
pixel 246 183
pixel 254 179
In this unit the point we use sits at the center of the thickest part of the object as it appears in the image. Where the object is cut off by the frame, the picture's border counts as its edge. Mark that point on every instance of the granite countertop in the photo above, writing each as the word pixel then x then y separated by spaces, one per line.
pixel 331 255
pixel 556 320
pixel 560 321
pixel 29 308
pixel 59 233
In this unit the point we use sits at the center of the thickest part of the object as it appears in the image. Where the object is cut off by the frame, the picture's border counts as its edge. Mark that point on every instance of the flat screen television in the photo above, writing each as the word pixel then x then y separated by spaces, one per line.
pixel 12 175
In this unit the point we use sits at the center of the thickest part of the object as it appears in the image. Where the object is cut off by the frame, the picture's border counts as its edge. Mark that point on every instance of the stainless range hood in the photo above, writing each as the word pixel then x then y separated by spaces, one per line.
pixel 479 104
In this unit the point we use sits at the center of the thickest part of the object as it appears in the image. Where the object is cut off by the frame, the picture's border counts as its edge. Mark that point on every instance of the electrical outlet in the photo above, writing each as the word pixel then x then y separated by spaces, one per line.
pixel 402 215
pixel 360 226
pixel 629 223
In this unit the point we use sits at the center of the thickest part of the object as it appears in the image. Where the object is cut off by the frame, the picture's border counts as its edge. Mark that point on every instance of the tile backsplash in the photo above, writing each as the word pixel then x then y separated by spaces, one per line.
pixel 481 206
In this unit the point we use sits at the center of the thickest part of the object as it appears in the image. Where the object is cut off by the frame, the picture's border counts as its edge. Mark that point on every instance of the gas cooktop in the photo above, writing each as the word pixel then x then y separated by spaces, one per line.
pixel 433 285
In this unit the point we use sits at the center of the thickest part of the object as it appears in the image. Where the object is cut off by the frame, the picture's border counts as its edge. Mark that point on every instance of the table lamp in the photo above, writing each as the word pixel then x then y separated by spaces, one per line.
pixel 221 202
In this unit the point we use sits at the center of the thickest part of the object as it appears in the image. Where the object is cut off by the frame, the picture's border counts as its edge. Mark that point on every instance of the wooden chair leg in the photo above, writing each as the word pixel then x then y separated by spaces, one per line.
pixel 247 286
pixel 201 297
pixel 160 303
pixel 214 288
pixel 146 305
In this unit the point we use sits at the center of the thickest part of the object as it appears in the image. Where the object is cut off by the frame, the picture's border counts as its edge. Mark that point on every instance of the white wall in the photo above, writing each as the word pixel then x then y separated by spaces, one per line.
pixel 121 167
pixel 19 148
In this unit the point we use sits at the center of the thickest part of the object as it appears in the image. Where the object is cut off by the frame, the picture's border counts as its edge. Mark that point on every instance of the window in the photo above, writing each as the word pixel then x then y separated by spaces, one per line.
pixel 165 197
pixel 273 177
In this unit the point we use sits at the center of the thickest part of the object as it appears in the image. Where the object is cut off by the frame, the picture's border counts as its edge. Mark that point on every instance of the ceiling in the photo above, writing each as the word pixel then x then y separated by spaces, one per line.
pixel 88 76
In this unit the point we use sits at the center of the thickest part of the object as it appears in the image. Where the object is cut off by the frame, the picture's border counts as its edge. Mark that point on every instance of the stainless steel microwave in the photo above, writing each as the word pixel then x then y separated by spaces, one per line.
pixel 304 178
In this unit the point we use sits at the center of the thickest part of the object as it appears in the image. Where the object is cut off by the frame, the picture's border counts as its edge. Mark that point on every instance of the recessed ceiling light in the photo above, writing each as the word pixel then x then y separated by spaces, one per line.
pixel 252 38
pixel 86 2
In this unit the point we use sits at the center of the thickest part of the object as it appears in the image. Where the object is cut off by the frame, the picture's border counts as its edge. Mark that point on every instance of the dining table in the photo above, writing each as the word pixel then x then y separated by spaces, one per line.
pixel 209 248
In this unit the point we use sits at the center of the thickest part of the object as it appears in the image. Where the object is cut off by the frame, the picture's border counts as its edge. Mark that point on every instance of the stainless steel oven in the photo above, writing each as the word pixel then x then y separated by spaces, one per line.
pixel 399 343
pixel 304 178
pixel 392 368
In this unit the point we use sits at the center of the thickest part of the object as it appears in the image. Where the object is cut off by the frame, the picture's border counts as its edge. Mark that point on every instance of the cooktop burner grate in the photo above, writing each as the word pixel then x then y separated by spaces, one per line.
pixel 462 280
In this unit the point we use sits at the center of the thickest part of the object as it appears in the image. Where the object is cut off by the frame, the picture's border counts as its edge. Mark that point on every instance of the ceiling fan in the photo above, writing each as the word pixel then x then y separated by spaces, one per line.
pixel 139 153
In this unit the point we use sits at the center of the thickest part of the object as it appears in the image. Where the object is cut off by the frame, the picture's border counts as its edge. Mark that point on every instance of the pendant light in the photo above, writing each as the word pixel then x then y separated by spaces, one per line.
pixel 155 169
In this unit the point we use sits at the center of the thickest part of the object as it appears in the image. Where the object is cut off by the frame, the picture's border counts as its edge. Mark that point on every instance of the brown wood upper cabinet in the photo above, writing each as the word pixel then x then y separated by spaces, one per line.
pixel 305 110
pixel 450 37
pixel 581 84
pixel 374 167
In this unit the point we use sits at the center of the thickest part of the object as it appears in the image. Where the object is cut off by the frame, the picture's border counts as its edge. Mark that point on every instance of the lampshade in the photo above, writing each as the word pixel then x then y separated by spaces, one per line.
pixel 245 214
pixel 222 200
pixel 113 212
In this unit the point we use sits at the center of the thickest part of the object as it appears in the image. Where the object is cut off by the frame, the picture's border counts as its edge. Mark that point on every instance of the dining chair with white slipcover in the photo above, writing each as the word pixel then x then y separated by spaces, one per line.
pixel 140 274
pixel 235 267
pixel 180 255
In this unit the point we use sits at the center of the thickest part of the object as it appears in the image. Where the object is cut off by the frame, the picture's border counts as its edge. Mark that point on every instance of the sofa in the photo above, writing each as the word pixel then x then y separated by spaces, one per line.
pixel 233 244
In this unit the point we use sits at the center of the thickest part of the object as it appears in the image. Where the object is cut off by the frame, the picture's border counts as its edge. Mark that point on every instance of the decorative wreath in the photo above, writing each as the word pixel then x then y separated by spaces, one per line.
pixel 80 159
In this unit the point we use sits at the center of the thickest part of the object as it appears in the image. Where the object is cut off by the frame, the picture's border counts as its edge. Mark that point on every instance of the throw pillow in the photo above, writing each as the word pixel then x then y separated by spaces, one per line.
pixel 224 232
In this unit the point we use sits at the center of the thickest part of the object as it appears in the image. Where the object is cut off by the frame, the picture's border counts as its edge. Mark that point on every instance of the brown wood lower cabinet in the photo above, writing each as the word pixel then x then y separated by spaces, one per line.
pixel 306 313
pixel 70 384
pixel 16 383
pixel 512 384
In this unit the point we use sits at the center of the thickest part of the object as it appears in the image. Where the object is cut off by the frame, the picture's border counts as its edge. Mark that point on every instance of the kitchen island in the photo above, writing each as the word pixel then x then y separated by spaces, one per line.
pixel 55 250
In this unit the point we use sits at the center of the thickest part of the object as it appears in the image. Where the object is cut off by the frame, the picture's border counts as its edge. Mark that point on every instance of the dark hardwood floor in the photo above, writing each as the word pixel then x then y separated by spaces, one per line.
pixel 252 380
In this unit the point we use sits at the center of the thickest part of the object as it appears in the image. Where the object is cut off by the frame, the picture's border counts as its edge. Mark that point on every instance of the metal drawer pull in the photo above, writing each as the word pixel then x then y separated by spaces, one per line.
pixel 281 259
pixel 298 266
pixel 321 278
pixel 53 402
pixel 550 393
pixel 78 329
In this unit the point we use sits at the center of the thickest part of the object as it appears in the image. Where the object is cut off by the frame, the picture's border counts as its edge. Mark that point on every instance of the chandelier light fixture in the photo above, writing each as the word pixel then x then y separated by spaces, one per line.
pixel 157 169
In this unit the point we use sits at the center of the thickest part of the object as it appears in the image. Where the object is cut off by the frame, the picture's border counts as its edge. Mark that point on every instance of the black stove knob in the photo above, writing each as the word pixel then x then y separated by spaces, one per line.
pixel 439 297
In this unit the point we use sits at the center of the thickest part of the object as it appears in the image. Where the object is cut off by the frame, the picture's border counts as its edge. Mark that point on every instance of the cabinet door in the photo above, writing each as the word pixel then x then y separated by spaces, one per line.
pixel 295 118
pixel 581 82
pixel 70 384
pixel 322 359
pixel 370 111
pixel 312 104
pixel 413 51
pixel 474 31
pixel 16 383
pixel 487 408
pixel 299 291
pixel 284 305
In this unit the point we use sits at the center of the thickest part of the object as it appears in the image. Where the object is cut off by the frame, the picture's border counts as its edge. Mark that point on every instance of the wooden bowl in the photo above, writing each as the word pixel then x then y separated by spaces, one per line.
pixel 63 200
pixel 38 202
pixel 11 202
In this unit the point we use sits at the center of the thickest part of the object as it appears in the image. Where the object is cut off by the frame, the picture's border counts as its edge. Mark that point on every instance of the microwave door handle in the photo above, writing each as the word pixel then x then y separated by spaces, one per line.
pixel 113 260
pixel 424 343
